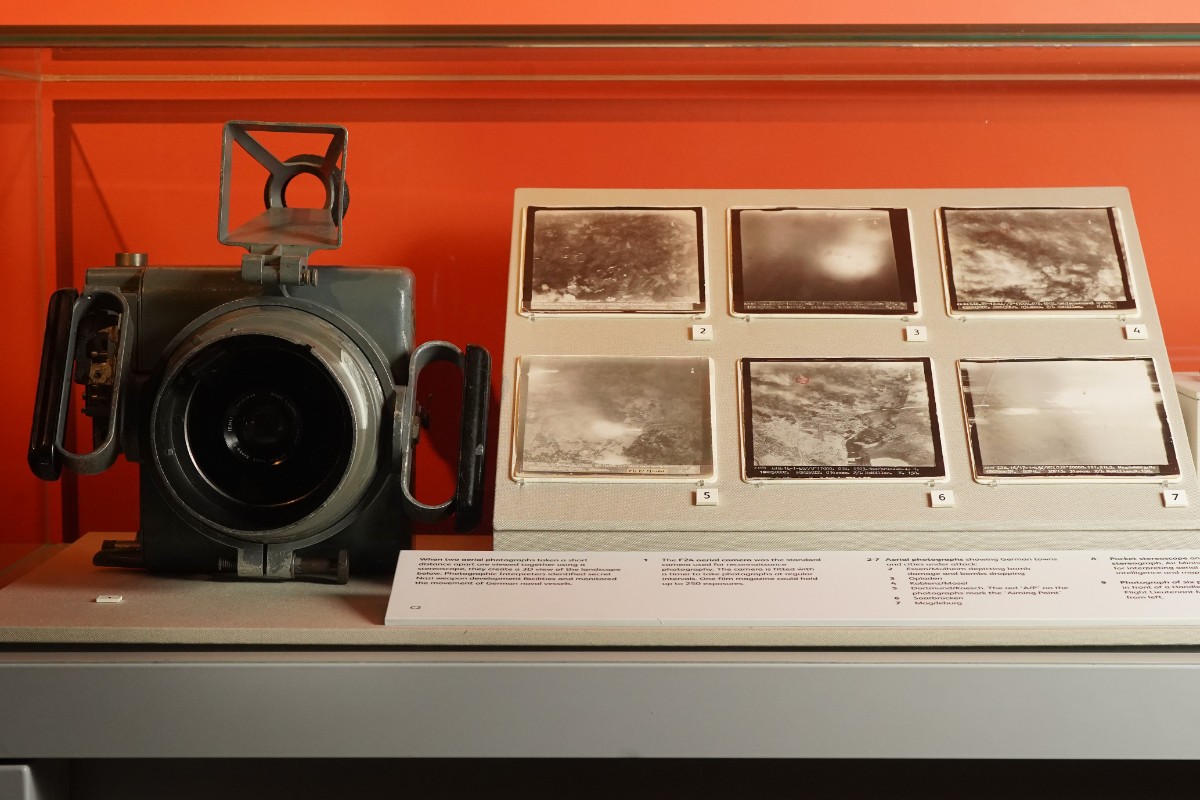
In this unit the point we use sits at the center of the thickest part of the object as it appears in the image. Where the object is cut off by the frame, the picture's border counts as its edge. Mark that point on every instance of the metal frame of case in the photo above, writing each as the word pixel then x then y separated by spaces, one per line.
pixel 181 700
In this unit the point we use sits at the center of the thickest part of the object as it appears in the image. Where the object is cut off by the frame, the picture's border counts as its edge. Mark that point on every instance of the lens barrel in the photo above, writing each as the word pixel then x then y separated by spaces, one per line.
pixel 266 424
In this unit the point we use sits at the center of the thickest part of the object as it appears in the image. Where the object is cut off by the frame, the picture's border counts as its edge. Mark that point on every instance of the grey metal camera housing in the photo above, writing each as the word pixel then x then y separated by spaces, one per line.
pixel 358 323
pixel 273 414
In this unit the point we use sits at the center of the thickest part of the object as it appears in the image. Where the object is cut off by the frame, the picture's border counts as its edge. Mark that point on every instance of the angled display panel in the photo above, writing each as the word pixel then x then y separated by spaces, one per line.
pixel 836 428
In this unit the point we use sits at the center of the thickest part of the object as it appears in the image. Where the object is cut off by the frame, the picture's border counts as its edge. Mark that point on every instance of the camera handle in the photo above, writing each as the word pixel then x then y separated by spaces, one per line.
pixel 467 502
pixel 67 311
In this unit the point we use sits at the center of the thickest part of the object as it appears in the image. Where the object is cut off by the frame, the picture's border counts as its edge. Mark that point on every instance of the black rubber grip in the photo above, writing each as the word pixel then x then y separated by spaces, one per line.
pixel 472 443
pixel 47 410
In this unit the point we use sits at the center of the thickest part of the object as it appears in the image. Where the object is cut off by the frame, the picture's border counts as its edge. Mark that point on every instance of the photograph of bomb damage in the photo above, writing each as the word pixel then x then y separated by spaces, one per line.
pixel 1034 259
pixel 821 261
pixel 586 416
pixel 839 418
pixel 1067 418
pixel 613 260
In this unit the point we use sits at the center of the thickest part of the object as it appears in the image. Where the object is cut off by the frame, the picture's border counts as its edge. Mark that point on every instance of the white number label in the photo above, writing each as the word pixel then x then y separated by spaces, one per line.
pixel 705 497
pixel 702 333
pixel 941 498
pixel 915 333
pixel 110 598
pixel 1174 498
pixel 1136 331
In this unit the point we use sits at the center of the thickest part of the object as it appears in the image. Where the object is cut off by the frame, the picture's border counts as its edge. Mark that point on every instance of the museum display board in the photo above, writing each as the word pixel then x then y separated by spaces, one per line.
pixel 924 369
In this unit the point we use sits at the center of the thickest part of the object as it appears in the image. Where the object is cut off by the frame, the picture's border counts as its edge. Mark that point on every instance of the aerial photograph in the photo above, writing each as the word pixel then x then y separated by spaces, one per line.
pixel 821 261
pixel 1067 418
pixel 591 416
pixel 613 260
pixel 1034 259
pixel 840 418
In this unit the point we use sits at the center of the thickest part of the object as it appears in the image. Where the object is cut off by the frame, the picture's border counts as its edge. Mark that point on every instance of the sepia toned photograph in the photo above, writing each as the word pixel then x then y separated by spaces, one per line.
pixel 1066 418
pixel 821 261
pixel 839 418
pixel 600 416
pixel 1035 259
pixel 613 260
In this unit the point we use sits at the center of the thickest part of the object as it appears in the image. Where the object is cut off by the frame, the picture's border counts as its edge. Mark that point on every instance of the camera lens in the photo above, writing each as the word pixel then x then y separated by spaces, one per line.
pixel 267 423
pixel 263 427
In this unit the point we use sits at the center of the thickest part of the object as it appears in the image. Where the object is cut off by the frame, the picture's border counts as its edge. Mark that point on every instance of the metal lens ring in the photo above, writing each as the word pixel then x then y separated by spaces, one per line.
pixel 266 424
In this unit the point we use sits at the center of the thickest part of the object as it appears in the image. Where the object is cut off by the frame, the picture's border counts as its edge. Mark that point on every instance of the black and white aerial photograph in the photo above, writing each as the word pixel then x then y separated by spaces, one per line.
pixel 601 416
pixel 1035 259
pixel 821 261
pixel 613 260
pixel 839 418
pixel 1082 418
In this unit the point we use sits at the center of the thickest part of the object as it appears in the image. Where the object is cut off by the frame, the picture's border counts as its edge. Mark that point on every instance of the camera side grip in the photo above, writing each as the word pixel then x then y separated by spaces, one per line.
pixel 103 318
pixel 472 442
pixel 52 376
pixel 467 502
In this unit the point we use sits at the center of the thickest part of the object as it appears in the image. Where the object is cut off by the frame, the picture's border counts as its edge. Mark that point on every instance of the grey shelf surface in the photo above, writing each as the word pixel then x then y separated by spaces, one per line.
pixel 596 704
pixel 358 696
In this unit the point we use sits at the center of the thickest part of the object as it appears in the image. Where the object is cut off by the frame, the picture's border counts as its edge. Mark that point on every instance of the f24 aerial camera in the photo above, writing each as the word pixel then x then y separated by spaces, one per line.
pixel 272 413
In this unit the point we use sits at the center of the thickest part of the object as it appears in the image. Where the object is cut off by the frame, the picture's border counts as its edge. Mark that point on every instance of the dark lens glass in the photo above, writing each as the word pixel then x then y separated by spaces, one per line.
pixel 263 427
pixel 266 426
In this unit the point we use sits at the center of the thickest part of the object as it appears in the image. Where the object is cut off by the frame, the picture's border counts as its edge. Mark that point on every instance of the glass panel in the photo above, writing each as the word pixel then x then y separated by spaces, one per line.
pixel 110 141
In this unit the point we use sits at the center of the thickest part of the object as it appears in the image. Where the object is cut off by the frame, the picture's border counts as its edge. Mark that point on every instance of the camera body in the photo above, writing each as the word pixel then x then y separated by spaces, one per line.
pixel 272 414
pixel 229 380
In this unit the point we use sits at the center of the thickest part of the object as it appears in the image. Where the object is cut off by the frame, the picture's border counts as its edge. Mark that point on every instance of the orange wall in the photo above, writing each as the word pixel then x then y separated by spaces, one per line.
pixel 131 163
pixel 635 12
pixel 30 506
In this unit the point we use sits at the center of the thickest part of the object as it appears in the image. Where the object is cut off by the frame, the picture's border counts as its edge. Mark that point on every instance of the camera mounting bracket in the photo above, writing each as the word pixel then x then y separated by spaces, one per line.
pixel 280 239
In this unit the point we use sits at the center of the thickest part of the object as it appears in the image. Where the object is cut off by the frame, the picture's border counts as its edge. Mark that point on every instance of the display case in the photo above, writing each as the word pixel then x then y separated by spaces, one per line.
pixel 109 140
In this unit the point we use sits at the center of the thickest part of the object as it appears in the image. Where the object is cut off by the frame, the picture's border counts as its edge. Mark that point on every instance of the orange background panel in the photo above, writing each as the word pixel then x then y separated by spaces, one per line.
pixel 30 506
pixel 612 12
pixel 130 143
